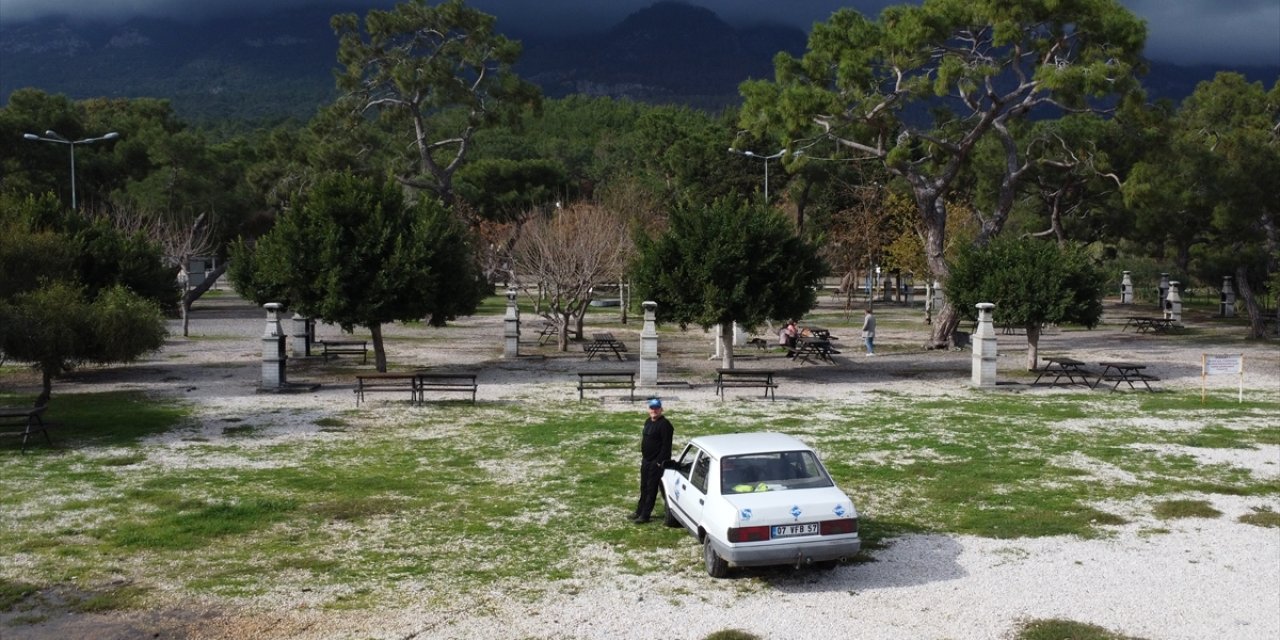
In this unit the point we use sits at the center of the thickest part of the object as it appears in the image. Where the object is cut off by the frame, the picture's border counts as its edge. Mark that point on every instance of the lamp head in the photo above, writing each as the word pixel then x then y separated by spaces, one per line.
pixel 30 136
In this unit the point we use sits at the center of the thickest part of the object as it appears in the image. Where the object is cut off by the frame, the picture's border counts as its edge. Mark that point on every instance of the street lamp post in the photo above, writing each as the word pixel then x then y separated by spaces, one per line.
pixel 52 136
pixel 774 156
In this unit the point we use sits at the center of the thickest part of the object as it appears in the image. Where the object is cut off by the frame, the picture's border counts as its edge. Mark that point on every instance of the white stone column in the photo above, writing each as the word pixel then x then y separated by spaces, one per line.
pixel 511 327
pixel 1126 289
pixel 1173 304
pixel 273 349
pixel 984 348
pixel 1228 298
pixel 649 345
pixel 299 337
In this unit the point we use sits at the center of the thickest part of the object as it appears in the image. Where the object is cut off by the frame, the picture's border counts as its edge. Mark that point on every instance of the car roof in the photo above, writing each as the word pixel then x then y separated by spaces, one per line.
pixel 738 443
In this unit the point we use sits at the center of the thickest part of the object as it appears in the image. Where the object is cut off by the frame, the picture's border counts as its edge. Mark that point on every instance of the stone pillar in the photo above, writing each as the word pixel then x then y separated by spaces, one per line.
pixel 1163 290
pixel 1173 304
pixel 984 348
pixel 938 296
pixel 300 335
pixel 739 340
pixel 1126 289
pixel 1228 298
pixel 649 345
pixel 273 349
pixel 511 327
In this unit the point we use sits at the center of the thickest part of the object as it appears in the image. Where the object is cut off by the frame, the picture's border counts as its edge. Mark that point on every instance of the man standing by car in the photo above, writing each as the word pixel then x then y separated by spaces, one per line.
pixel 655 451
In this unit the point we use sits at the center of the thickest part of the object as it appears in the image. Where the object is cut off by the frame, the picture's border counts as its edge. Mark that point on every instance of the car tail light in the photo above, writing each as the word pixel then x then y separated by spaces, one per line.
pixel 843 525
pixel 748 534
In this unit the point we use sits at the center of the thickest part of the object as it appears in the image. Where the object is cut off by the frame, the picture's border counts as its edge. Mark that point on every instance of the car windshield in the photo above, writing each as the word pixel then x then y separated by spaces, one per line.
pixel 776 471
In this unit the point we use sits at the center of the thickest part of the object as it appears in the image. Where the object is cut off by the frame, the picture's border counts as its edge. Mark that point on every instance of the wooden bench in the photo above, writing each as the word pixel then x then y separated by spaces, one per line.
pixel 607 380
pixel 757 378
pixel 30 420
pixel 345 347
pixel 393 381
pixel 440 381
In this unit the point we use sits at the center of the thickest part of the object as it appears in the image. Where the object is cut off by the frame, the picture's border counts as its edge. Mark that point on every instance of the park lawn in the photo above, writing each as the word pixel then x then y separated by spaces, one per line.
pixel 393 504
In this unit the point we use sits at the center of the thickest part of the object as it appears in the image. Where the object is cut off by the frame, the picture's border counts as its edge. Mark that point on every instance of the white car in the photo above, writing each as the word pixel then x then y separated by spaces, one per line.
pixel 757 499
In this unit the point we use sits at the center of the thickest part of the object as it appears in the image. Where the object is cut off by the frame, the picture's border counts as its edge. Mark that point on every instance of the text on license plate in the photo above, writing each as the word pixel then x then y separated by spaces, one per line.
pixel 789 530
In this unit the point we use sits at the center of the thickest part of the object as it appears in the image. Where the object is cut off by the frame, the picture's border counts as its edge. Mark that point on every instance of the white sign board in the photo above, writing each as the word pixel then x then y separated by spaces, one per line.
pixel 1218 365
pixel 1222 364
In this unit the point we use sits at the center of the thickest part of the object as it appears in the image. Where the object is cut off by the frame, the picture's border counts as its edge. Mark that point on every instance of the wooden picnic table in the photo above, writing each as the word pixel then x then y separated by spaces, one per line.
pixel 815 348
pixel 1142 324
pixel 760 378
pixel 602 343
pixel 1063 367
pixel 1126 373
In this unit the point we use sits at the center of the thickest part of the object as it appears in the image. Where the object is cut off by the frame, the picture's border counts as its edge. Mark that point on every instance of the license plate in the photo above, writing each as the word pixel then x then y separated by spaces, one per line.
pixel 790 530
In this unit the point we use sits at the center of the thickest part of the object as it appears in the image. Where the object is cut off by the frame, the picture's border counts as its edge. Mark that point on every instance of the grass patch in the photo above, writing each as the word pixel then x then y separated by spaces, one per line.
pixel 1056 629
pixel 117 418
pixel 1262 517
pixel 1171 509
pixel 13 592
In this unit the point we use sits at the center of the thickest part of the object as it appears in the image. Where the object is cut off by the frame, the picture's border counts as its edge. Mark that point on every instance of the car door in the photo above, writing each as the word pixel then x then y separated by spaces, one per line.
pixel 690 491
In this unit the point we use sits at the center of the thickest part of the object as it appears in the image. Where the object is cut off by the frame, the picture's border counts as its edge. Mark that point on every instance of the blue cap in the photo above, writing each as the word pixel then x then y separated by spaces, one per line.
pixel 655 403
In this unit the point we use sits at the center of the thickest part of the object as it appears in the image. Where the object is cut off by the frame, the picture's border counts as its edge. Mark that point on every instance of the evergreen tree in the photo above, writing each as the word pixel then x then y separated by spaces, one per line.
pixel 1032 282
pixel 353 253
pixel 728 262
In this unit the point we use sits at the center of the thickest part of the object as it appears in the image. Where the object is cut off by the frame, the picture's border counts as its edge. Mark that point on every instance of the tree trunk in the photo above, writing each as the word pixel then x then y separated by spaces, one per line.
pixel 1033 346
pixel 562 331
pixel 379 353
pixel 1257 330
pixel 934 218
pixel 194 293
pixel 46 388
pixel 726 345
pixel 944 325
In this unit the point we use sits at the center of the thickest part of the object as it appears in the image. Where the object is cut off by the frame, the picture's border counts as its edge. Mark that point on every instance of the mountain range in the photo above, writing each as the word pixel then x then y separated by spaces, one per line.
pixel 278 65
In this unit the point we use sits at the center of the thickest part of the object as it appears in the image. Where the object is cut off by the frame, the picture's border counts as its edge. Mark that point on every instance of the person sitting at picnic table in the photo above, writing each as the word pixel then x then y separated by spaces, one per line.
pixel 787 338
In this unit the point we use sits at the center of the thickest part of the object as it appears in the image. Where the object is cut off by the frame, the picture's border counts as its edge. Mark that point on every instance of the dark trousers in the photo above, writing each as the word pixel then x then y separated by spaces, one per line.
pixel 650 484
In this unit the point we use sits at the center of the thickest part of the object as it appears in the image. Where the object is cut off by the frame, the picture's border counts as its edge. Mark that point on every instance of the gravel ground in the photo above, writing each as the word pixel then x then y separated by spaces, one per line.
pixel 1205 578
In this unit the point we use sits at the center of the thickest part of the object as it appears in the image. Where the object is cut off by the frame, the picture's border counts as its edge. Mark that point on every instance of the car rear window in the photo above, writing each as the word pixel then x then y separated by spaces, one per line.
pixel 776 471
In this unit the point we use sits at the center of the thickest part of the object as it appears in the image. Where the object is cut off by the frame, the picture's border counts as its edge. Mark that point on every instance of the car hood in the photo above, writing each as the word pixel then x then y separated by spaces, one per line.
pixel 796 505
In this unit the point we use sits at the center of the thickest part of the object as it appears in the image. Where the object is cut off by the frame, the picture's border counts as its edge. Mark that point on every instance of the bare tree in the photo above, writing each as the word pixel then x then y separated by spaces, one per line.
pixel 181 238
pixel 568 252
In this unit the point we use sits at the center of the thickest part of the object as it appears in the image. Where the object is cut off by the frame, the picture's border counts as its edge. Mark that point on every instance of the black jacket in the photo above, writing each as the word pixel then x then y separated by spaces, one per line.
pixel 655 444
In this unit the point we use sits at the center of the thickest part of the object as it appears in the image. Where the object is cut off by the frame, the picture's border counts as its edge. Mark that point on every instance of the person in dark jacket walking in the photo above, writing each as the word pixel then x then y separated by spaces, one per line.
pixel 655 451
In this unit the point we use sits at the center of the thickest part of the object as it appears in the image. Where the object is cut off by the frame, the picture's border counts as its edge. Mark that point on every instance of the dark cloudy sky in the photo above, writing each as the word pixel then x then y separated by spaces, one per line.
pixel 1187 31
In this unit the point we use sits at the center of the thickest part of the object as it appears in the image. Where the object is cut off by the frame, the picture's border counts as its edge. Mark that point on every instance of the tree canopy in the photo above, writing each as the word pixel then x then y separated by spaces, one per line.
pixel 419 60
pixel 353 253
pixel 1033 282
pixel 728 262
pixel 74 291
pixel 975 66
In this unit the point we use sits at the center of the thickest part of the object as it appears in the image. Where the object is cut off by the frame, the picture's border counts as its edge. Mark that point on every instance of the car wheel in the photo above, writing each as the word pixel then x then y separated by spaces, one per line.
pixel 717 567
